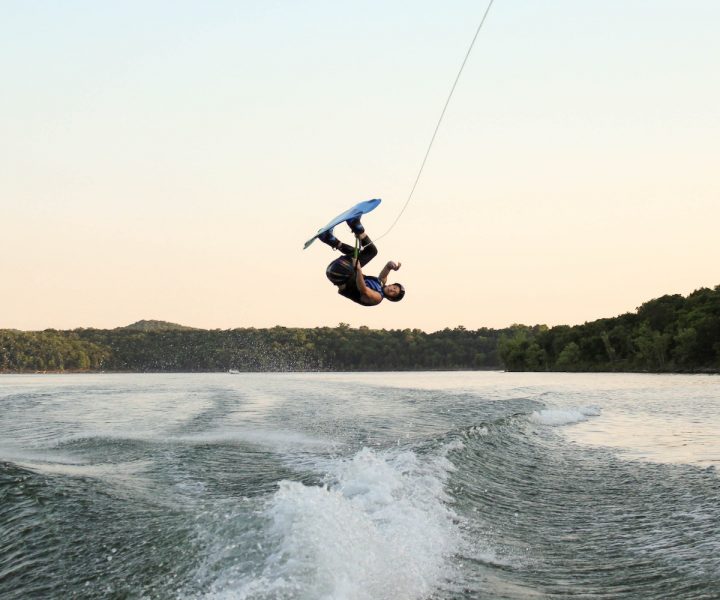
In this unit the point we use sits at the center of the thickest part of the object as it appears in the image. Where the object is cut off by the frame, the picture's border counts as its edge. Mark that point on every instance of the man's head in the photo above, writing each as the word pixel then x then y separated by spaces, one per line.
pixel 394 292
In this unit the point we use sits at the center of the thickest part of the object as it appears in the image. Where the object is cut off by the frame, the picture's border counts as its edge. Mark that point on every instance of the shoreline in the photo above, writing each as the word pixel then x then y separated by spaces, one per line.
pixel 458 370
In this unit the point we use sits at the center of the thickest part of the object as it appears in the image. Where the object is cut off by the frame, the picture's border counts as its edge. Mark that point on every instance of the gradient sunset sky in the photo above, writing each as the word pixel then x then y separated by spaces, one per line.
pixel 167 160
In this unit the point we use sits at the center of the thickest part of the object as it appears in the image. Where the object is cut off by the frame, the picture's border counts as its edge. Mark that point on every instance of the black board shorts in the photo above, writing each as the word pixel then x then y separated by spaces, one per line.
pixel 340 270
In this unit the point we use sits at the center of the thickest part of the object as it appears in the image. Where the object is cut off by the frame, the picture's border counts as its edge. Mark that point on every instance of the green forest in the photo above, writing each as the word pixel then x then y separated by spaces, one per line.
pixel 668 334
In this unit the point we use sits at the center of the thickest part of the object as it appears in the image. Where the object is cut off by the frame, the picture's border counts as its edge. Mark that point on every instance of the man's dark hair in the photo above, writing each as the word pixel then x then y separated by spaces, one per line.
pixel 400 296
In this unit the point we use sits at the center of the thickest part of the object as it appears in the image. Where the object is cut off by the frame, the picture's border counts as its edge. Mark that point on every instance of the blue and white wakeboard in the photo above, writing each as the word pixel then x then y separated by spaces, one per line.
pixel 359 209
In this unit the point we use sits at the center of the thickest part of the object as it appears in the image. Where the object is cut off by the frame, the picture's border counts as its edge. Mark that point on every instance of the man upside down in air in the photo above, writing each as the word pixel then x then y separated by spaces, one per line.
pixel 346 272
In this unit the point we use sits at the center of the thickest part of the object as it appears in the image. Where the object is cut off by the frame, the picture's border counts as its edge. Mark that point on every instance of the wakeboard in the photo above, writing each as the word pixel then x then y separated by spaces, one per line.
pixel 360 208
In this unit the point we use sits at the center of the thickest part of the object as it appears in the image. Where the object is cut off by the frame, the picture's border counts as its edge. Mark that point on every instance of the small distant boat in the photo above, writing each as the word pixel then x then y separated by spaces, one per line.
pixel 234 372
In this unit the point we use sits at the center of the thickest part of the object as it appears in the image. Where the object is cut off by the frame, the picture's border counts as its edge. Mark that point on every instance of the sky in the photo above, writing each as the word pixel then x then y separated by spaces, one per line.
pixel 167 160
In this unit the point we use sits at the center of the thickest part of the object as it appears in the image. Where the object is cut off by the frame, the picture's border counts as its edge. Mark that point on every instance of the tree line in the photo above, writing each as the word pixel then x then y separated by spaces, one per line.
pixel 668 334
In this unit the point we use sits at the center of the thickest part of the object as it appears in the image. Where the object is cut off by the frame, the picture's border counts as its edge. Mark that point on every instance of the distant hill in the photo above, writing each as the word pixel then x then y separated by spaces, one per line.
pixel 153 325
pixel 669 334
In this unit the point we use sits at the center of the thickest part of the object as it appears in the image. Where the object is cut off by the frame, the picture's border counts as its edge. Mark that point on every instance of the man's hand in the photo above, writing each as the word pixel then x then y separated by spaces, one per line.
pixel 392 265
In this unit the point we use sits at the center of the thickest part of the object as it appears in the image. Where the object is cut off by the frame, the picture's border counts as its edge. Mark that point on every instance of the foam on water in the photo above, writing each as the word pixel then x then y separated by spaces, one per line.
pixel 380 528
pixel 23 455
pixel 564 416
pixel 273 438
pixel 63 463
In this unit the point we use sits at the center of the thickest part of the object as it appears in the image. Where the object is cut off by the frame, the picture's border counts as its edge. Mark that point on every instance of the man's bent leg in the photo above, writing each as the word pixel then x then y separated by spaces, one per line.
pixel 346 249
pixel 368 250
pixel 367 253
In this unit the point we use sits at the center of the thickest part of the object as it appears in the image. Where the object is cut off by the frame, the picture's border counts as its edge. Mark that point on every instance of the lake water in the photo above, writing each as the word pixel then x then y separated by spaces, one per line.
pixel 360 486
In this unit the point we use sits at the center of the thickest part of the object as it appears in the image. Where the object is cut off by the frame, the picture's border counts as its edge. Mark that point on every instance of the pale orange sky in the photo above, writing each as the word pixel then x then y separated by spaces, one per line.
pixel 169 162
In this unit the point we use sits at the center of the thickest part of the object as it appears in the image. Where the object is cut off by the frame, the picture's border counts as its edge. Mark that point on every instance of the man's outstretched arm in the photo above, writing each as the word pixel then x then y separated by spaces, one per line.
pixel 390 266
pixel 369 296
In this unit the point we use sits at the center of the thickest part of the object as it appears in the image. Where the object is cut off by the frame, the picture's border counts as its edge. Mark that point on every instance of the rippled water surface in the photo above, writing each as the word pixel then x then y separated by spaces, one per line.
pixel 360 486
